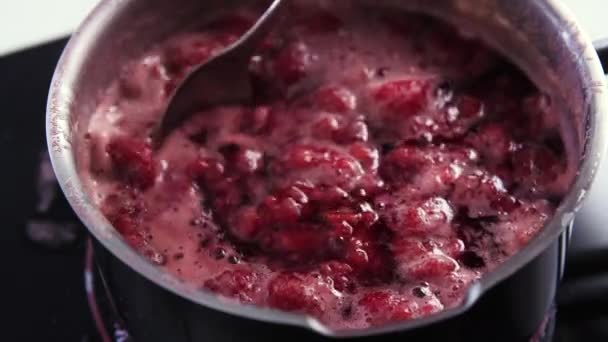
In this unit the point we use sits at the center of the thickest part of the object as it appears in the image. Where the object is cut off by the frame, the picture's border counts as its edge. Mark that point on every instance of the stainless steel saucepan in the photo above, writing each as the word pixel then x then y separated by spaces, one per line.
pixel 539 36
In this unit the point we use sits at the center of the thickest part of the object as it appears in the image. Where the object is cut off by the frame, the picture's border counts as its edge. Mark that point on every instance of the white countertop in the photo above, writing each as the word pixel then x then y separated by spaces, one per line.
pixel 25 23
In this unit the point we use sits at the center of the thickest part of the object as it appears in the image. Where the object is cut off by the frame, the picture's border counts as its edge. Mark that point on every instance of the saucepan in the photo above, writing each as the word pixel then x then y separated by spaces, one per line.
pixel 510 303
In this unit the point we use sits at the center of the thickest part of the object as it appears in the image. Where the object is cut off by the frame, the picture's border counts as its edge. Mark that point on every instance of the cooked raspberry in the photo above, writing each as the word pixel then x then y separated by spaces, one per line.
pixel 225 195
pixel 321 166
pixel 125 210
pixel 432 216
pixel 417 260
pixel 190 52
pixel 258 119
pixel 329 195
pixel 327 126
pixel 369 186
pixel 536 168
pixel 341 217
pixel 368 156
pixel 355 131
pixel 470 107
pixel 371 262
pixel 540 115
pixel 493 142
pixel 133 161
pixel 516 230
pixel 383 307
pixel 293 292
pixel 300 242
pixel 402 98
pixel 239 284
pixel 483 195
pixel 246 224
pixel 452 247
pixel 403 163
pixel 243 160
pixel 386 305
pixel 134 83
pixel 335 99
pixel 207 170
pixel 282 210
pixel 125 225
pixel 430 266
pixel 340 275
pixel 302 156
pixel 459 117
pixel 293 63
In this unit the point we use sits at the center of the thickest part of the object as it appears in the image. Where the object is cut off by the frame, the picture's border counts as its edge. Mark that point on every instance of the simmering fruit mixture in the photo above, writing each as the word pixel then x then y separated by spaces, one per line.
pixel 385 162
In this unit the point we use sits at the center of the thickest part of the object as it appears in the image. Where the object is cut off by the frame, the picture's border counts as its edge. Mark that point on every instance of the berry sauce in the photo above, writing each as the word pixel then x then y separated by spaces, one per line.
pixel 385 163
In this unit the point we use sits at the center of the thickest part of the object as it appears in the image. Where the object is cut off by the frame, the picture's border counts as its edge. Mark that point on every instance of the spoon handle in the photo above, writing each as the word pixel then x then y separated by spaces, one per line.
pixel 251 39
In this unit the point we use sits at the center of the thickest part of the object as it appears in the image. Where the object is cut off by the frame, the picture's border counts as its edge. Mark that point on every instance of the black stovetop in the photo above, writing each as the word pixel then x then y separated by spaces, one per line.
pixel 44 246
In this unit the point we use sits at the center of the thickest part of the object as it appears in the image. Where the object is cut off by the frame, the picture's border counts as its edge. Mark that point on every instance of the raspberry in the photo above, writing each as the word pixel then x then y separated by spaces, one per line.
pixel 302 156
pixel 246 225
pixel 371 262
pixel 355 131
pixel 238 284
pixel 293 292
pixel 321 166
pixel 327 126
pixel 133 161
pixel 368 156
pixel 207 170
pixel 299 243
pixel 542 119
pixel 340 275
pixel 536 168
pixel 461 116
pixel 401 99
pixel 483 195
pixel 189 52
pixel 139 82
pixel 279 210
pixel 403 163
pixel 493 142
pixel 516 230
pixel 430 266
pixel 125 210
pixel 386 307
pixel 225 195
pixel 341 217
pixel 422 218
pixel 293 63
pixel 381 307
pixel 329 195
pixel 258 119
pixel 335 99
pixel 417 260
pixel 242 159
